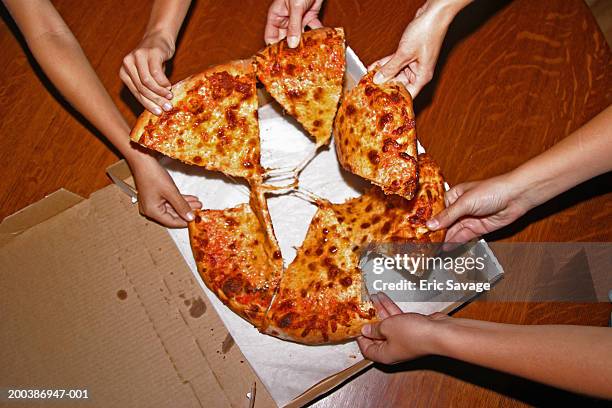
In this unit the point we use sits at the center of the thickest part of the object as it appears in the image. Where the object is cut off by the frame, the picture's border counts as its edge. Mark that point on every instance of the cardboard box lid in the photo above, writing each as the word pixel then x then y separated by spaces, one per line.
pixel 96 297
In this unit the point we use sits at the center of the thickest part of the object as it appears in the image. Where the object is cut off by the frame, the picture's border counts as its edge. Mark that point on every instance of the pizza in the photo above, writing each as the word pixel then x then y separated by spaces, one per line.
pixel 375 136
pixel 237 259
pixel 213 122
pixel 321 298
pixel 378 218
pixel 307 80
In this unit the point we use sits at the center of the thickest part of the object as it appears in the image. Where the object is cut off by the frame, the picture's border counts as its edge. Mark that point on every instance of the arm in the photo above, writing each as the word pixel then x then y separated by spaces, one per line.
pixel 480 207
pixel 414 60
pixel 63 61
pixel 576 358
pixel 143 68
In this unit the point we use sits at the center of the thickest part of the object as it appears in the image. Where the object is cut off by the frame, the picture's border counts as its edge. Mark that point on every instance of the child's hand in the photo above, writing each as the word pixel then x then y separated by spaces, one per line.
pixel 158 197
pixel 399 336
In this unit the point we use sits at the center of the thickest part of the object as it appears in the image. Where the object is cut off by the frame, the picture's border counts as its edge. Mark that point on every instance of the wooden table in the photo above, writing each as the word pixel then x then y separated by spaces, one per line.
pixel 513 79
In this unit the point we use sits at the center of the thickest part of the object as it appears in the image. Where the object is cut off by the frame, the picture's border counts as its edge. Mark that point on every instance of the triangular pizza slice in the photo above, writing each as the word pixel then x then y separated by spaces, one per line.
pixel 321 298
pixel 307 80
pixel 213 122
pixel 378 218
pixel 375 136
pixel 236 257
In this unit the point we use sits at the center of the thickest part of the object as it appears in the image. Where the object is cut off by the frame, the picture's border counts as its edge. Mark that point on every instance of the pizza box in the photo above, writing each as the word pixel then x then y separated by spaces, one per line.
pixel 285 368
pixel 96 298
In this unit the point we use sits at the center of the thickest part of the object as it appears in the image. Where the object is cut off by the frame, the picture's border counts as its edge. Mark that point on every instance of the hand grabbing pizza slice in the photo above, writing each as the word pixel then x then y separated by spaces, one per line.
pixel 375 136
pixel 321 295
pixel 213 122
pixel 307 80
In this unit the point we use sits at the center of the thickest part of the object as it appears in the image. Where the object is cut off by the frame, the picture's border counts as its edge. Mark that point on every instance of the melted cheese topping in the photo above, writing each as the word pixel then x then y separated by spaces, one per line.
pixel 375 136
pixel 307 80
pixel 213 122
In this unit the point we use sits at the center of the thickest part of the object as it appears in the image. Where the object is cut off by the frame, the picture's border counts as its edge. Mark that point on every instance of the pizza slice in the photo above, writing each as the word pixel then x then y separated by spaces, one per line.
pixel 321 298
pixel 375 136
pixel 237 259
pixel 307 80
pixel 377 218
pixel 213 122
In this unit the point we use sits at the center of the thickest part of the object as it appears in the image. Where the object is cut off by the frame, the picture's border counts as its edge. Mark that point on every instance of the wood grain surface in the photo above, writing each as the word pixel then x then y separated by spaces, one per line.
pixel 513 79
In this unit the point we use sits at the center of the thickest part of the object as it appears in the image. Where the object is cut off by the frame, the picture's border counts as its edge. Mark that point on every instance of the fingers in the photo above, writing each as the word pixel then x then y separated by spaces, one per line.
pixel 388 304
pixel 314 23
pixel 180 205
pixel 391 68
pixel 379 63
pixel 371 349
pixel 462 232
pixel 136 74
pixel 457 207
pixel 162 215
pixel 294 30
pixel 373 330
pixel 271 33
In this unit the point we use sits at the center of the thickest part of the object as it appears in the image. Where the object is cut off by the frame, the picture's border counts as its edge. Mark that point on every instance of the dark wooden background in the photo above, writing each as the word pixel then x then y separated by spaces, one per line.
pixel 513 79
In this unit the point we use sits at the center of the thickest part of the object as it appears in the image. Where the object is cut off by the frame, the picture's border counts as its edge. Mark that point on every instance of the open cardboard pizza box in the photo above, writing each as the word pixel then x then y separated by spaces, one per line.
pixel 96 297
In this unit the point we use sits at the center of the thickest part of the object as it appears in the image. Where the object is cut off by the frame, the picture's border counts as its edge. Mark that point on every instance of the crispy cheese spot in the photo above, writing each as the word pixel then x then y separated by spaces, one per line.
pixel 346 281
pixel 350 109
pixel 384 119
pixel 373 157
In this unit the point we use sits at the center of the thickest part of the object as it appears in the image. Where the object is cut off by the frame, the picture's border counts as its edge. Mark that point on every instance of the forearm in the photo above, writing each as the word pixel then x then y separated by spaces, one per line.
pixel 60 56
pixel 576 358
pixel 584 154
pixel 166 19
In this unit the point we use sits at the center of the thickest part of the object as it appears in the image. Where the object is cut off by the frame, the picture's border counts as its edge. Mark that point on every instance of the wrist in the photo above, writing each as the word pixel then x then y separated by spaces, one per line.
pixel 161 36
pixel 447 8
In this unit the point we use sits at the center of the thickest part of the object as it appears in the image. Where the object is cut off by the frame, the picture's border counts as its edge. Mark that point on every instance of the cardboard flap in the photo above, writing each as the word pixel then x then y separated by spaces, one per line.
pixel 98 298
pixel 52 205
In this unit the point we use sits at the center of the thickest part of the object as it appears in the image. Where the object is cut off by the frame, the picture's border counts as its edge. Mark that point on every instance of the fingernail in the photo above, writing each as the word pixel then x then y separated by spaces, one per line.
pixel 169 96
pixel 157 111
pixel 167 106
pixel 366 330
pixel 432 224
pixel 379 78
pixel 190 216
pixel 293 41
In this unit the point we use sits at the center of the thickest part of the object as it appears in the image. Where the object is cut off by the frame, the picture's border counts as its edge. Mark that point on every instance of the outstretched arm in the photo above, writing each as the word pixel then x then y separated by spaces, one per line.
pixel 479 207
pixel 576 358
pixel 63 61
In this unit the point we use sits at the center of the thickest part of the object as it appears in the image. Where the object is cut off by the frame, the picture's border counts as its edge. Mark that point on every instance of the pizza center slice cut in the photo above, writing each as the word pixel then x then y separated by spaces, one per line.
pixel 321 296
pixel 237 258
pixel 307 80
pixel 213 122
pixel 375 137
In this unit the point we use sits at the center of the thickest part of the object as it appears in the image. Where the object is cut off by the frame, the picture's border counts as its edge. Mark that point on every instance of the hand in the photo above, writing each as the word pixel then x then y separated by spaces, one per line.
pixel 480 207
pixel 398 336
pixel 287 18
pixel 414 61
pixel 143 73
pixel 158 197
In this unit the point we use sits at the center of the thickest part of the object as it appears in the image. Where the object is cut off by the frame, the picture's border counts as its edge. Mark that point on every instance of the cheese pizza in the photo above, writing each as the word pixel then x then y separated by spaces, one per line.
pixel 213 122
pixel 375 136
pixel 307 80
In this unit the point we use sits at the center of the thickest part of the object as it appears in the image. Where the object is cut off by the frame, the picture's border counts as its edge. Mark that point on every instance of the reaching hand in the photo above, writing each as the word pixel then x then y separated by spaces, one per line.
pixel 479 207
pixel 158 197
pixel 143 73
pixel 398 336
pixel 287 18
pixel 414 61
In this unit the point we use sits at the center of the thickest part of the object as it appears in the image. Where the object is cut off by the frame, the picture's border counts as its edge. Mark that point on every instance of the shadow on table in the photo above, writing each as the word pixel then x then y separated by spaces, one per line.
pixel 465 23
pixel 529 392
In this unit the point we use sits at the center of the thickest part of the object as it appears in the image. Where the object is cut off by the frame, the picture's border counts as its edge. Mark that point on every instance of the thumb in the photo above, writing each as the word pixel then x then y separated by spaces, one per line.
pixel 449 215
pixel 180 205
pixel 390 69
pixel 373 331
pixel 294 31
